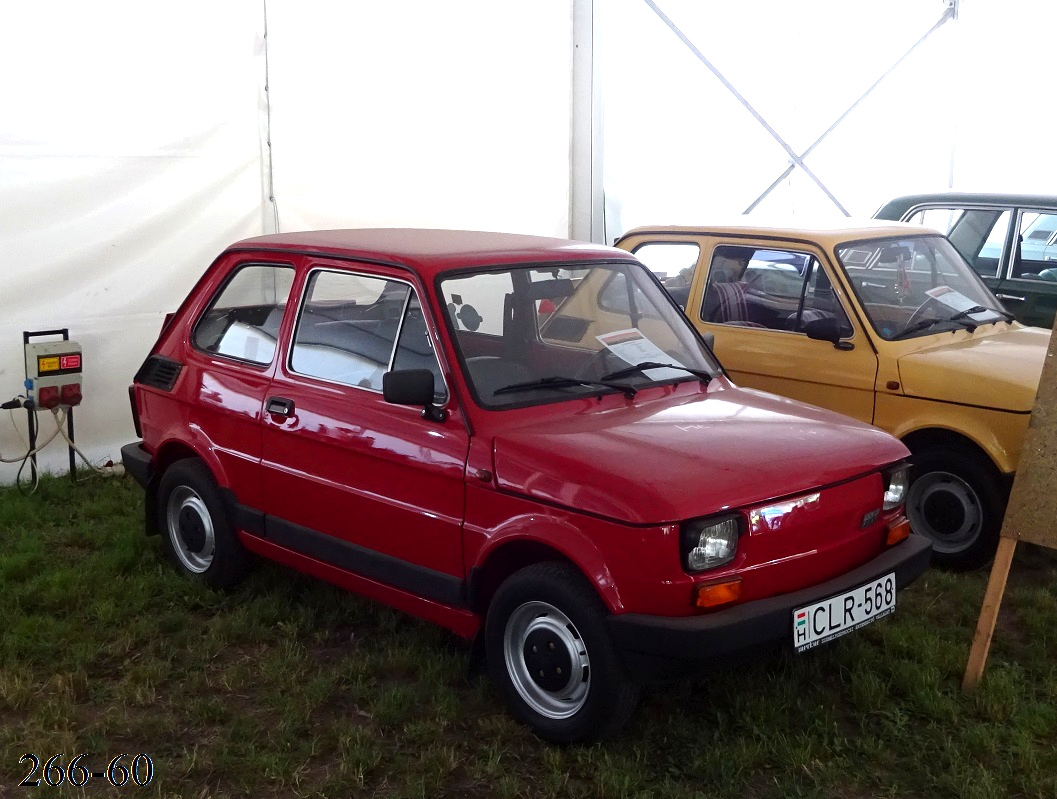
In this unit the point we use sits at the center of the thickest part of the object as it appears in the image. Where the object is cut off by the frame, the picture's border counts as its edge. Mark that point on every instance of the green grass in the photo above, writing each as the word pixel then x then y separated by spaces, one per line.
pixel 289 687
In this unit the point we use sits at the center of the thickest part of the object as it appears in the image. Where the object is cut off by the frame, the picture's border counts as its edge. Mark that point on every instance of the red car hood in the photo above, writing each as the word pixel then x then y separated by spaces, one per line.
pixel 684 456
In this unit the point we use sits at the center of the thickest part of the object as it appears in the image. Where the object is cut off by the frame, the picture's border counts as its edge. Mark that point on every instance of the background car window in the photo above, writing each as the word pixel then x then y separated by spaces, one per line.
pixel 414 350
pixel 673 263
pixel 774 289
pixel 667 259
pixel 243 319
pixel 1037 259
pixel 979 234
pixel 348 327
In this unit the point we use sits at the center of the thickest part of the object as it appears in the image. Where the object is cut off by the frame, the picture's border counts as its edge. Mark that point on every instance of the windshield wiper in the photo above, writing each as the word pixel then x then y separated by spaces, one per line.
pixel 981 309
pixel 701 374
pixel 926 323
pixel 558 381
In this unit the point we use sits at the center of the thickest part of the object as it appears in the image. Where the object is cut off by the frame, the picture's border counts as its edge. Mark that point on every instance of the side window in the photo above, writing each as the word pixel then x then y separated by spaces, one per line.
pixel 978 234
pixel 414 349
pixel 243 319
pixel 672 262
pixel 348 327
pixel 1038 247
pixel 773 289
pixel 820 302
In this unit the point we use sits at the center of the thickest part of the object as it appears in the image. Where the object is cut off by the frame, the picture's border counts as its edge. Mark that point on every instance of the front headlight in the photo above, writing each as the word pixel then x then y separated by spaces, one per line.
pixel 712 542
pixel 897 482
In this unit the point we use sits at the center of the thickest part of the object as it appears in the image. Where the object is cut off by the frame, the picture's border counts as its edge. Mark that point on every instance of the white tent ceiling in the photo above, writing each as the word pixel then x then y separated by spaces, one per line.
pixel 952 99
pixel 134 137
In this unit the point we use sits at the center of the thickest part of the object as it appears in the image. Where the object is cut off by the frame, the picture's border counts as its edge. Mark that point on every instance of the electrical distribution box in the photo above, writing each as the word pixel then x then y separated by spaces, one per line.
pixel 53 373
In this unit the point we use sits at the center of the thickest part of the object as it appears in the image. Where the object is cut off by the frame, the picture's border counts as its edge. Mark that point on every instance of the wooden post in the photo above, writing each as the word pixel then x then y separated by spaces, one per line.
pixel 1032 507
pixel 985 627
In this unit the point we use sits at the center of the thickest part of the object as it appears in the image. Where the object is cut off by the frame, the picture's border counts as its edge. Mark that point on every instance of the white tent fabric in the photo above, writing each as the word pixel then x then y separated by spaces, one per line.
pixel 133 148
pixel 680 148
pixel 435 114
pixel 134 137
pixel 129 155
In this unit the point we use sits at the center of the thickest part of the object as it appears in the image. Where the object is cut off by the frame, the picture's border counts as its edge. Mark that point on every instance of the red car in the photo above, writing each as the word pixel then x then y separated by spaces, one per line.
pixel 521 439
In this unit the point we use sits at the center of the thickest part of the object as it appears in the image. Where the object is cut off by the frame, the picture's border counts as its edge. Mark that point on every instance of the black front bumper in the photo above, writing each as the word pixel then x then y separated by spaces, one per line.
pixel 659 646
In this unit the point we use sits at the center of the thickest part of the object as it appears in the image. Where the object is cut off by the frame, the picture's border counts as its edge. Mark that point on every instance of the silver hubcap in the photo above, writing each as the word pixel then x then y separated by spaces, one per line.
pixel 547 660
pixel 945 508
pixel 190 529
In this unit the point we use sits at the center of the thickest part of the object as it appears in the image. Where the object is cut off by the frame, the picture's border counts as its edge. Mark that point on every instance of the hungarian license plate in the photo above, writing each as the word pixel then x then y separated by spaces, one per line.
pixel 839 615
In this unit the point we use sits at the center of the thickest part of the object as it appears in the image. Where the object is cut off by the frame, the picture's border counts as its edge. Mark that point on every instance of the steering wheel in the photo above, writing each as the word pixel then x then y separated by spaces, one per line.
pixel 919 312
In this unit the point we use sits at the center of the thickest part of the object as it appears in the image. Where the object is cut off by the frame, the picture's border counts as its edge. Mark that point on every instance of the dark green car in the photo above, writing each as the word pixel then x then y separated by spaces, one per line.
pixel 1009 239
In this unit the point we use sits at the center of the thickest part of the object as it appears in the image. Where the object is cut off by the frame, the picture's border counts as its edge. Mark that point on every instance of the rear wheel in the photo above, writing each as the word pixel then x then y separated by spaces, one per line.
pixel 956 499
pixel 195 530
pixel 550 653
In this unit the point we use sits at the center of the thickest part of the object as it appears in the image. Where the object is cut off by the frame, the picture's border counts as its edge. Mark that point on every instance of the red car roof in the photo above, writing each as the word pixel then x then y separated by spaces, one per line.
pixel 432 251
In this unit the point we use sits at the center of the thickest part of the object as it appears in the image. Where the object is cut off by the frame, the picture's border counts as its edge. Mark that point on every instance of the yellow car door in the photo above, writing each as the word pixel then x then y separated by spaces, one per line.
pixel 770 304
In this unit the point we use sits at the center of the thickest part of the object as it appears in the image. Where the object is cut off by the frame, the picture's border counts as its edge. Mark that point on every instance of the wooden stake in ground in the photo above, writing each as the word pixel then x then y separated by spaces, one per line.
pixel 1031 511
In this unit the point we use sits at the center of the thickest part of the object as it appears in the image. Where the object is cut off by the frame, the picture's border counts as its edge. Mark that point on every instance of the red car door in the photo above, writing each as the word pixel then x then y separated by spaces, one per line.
pixel 349 479
pixel 230 365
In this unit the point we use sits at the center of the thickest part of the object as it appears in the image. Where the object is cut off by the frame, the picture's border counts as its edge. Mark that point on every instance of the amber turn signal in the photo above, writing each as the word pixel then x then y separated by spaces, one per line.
pixel 713 595
pixel 897 531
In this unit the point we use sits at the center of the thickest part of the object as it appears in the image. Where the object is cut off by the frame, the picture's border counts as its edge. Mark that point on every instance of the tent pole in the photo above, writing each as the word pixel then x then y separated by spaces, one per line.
pixel 797 160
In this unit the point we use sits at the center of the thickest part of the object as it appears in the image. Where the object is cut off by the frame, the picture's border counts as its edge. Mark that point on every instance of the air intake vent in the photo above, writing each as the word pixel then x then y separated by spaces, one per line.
pixel 159 372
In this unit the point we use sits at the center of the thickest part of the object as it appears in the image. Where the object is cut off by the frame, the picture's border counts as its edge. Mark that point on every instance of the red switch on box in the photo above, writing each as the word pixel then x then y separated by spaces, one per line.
pixel 71 394
pixel 48 397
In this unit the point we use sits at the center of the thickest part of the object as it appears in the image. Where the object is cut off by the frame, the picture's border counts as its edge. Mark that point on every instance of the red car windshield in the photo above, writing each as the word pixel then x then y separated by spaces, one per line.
pixel 530 335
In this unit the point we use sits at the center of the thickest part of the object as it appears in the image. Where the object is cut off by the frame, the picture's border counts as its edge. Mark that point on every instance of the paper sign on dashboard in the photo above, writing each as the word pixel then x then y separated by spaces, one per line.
pixel 631 346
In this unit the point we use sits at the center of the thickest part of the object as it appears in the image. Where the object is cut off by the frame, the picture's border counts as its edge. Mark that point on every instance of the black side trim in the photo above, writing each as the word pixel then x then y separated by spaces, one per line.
pixel 434 585
pixel 159 372
pixel 242 516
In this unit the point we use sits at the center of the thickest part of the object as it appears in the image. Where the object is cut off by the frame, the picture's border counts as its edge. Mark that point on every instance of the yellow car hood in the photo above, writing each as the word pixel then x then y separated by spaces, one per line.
pixel 999 371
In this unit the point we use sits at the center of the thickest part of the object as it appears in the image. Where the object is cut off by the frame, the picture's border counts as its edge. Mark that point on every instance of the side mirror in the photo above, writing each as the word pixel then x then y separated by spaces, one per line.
pixel 827 329
pixel 710 340
pixel 412 387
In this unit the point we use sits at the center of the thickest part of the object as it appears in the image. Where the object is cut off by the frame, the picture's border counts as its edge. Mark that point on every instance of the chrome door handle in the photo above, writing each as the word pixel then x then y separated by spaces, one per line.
pixel 1009 297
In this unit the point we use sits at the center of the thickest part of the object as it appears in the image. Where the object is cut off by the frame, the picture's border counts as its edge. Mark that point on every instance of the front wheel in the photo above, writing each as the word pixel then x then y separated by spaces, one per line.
pixel 550 654
pixel 956 499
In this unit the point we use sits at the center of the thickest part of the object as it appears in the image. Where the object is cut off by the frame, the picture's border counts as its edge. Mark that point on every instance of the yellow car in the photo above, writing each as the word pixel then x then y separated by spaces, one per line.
pixel 884 322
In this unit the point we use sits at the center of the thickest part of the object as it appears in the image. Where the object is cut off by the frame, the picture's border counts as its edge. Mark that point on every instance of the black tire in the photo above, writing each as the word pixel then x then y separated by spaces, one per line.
pixel 956 498
pixel 195 530
pixel 552 607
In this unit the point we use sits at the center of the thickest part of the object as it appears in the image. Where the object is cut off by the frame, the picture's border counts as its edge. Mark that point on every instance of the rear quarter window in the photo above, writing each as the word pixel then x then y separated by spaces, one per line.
pixel 243 319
